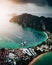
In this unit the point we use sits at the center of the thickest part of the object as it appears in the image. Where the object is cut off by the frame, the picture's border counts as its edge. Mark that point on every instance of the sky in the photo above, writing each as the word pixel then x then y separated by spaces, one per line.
pixel 37 2
pixel 9 8
pixel 35 7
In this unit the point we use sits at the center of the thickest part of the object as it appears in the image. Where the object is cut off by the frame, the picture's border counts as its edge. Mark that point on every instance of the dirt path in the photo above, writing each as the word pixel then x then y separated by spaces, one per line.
pixel 35 59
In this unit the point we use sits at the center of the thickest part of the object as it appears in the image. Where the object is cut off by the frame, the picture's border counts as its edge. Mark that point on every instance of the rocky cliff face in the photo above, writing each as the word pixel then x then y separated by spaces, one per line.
pixel 38 23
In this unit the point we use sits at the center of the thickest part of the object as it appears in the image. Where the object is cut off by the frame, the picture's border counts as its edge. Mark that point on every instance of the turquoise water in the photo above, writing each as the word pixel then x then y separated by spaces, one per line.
pixel 14 40
pixel 46 59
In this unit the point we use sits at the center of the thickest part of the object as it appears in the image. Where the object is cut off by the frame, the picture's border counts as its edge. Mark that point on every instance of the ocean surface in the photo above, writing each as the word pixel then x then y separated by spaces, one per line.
pixel 13 38
pixel 46 59
pixel 12 35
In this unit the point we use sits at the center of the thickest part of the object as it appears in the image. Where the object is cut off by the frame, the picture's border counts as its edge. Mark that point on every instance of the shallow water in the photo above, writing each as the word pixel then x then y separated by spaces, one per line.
pixel 13 39
pixel 45 59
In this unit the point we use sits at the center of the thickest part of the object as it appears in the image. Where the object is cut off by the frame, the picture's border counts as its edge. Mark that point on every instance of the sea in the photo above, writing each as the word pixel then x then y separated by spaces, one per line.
pixel 46 59
pixel 13 38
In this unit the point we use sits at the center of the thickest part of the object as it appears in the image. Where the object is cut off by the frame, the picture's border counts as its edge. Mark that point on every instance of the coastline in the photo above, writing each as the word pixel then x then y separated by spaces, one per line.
pixel 33 62
pixel 35 59
pixel 46 34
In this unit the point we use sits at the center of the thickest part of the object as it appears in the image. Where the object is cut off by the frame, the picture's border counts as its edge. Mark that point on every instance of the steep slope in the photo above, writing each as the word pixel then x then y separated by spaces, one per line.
pixel 38 23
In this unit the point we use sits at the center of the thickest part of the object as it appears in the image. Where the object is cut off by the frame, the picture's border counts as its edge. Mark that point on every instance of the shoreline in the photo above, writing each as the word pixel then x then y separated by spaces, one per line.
pixel 46 34
pixel 35 59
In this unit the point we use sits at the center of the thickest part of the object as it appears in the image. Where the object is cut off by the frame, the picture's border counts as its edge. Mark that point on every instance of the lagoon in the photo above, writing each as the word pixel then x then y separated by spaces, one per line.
pixel 13 38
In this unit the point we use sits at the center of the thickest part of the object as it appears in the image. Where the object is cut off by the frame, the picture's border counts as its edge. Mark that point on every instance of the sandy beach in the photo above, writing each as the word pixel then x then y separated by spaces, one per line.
pixel 46 34
pixel 35 59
